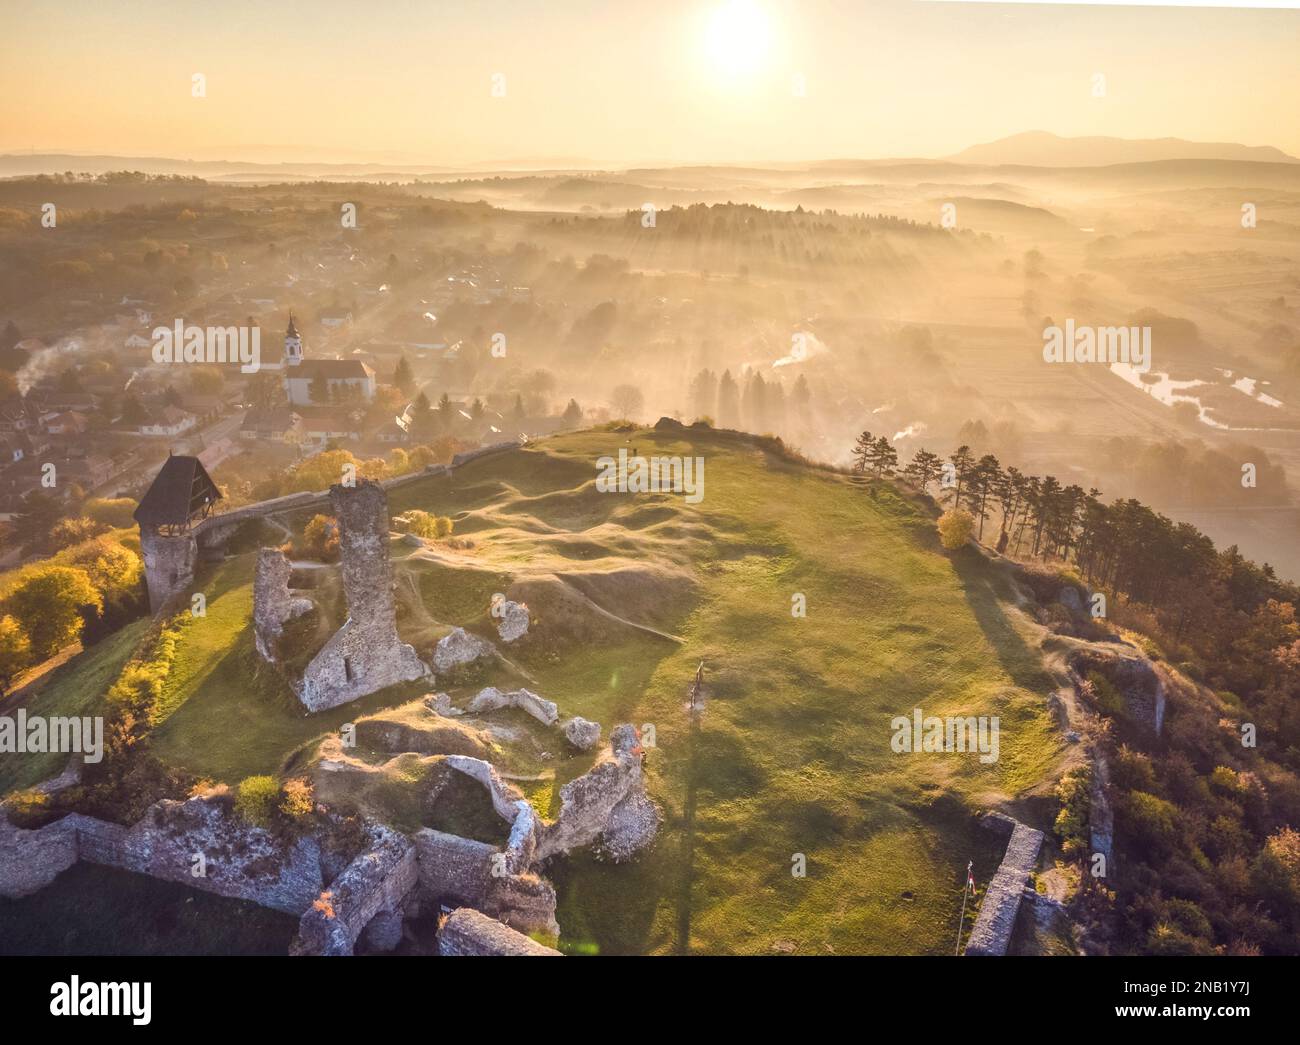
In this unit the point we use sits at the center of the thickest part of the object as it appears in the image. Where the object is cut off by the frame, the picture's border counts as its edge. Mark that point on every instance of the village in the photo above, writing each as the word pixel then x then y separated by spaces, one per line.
pixel 95 410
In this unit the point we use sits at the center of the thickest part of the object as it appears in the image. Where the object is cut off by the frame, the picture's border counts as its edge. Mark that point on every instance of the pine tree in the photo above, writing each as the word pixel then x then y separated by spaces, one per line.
pixel 754 404
pixel 882 457
pixel 404 377
pixel 728 401
pixel 704 394
pixel 924 469
pixel 862 450
pixel 962 461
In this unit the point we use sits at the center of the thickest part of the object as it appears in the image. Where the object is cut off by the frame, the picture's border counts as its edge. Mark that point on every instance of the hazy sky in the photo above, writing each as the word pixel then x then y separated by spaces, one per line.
pixel 630 81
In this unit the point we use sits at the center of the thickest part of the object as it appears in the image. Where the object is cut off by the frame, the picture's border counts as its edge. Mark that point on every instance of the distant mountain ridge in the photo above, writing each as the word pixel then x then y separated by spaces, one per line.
pixel 1044 149
pixel 1032 149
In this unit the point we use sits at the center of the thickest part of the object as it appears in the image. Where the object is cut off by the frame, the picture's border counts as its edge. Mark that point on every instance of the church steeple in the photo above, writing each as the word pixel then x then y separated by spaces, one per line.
pixel 292 344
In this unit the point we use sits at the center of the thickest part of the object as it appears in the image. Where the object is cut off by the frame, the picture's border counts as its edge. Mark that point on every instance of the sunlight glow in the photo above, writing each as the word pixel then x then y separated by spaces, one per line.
pixel 737 39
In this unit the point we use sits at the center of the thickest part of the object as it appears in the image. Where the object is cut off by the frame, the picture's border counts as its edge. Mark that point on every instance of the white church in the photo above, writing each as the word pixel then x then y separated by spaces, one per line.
pixel 321 382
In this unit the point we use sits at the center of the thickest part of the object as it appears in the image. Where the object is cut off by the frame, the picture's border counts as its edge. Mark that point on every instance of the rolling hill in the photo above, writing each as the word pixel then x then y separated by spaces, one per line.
pixel 791 753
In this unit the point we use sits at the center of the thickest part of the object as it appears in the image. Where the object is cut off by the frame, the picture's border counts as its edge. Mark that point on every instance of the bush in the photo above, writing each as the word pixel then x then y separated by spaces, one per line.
pixel 67 532
pixel 256 799
pixel 1132 770
pixel 15 652
pixel 1105 697
pixel 1072 821
pixel 296 801
pixel 1225 781
pixel 1277 868
pixel 47 604
pixel 1152 820
pixel 30 808
pixel 320 538
pixel 955 528
pixel 422 524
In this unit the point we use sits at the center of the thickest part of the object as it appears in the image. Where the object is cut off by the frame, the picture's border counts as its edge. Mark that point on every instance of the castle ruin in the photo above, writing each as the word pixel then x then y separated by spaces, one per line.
pixel 365 654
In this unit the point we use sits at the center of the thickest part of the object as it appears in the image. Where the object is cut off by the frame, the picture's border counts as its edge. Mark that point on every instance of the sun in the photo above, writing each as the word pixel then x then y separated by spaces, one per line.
pixel 737 39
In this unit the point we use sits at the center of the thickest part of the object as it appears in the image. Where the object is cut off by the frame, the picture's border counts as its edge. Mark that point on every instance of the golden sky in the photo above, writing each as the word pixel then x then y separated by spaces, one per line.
pixel 622 82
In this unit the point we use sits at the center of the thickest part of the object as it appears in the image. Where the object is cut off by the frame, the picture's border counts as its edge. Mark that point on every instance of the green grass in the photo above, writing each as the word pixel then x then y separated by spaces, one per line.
pixel 791 754
pixel 75 688
pixel 227 714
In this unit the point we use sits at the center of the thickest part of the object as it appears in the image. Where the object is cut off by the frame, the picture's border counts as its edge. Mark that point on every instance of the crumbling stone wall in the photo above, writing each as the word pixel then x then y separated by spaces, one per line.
pixel 374 885
pixel 167 561
pixel 467 932
pixel 492 699
pixel 274 604
pixel 453 870
pixel 606 804
pixel 31 859
pixel 239 860
pixel 1132 673
pixel 997 918
pixel 168 565
pixel 365 654
pixel 368 896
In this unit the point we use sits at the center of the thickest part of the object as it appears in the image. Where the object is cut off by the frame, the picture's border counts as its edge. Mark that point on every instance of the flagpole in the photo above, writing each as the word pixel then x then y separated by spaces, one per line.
pixel 965 891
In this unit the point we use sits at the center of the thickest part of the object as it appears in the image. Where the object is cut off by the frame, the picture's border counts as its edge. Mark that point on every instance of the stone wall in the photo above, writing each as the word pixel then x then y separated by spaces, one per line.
pixel 997 917
pixel 453 871
pixel 168 566
pixel 492 699
pixel 238 860
pixel 274 604
pixel 1132 673
pixel 470 933
pixel 169 561
pixel 31 860
pixel 375 884
pixel 606 804
pixel 365 654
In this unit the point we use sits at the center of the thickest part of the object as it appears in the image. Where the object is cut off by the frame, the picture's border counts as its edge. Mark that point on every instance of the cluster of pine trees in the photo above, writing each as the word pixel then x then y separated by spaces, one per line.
pixel 750 403
pixel 1233 619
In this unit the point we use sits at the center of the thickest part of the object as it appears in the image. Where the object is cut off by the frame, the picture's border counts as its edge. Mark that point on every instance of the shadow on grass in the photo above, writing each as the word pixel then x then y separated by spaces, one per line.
pixel 978 580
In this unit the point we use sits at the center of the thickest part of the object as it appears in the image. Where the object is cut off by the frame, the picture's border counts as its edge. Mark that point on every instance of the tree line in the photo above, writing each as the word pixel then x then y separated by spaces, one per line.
pixel 1232 618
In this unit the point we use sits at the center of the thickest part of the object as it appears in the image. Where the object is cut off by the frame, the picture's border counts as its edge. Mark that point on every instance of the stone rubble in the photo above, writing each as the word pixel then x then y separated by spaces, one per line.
pixel 457 648
pixel 581 733
pixel 492 699
pixel 513 617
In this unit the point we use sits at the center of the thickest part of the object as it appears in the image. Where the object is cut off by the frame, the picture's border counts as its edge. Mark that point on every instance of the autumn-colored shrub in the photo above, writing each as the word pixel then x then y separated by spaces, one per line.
pixel 955 528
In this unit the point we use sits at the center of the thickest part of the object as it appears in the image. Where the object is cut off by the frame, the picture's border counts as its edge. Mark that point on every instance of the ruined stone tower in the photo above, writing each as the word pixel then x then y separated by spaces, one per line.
pixel 181 495
pixel 365 654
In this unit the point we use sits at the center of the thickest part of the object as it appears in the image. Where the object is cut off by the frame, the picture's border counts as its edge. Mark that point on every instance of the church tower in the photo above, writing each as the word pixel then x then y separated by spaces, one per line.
pixel 292 344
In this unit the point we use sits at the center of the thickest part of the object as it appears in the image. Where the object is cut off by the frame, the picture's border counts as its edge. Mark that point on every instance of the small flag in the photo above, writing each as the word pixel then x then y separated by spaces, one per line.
pixel 970 878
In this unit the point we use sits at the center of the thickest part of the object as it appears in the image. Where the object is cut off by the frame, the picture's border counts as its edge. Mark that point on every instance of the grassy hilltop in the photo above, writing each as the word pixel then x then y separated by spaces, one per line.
pixel 629 593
